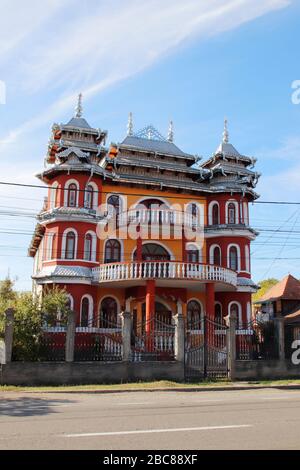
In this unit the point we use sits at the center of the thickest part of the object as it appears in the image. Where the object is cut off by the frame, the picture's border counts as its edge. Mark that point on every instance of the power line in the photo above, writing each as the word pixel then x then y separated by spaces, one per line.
pixel 7 183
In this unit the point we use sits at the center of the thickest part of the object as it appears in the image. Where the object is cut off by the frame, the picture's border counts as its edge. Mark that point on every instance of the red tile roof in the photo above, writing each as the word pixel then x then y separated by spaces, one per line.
pixel 288 288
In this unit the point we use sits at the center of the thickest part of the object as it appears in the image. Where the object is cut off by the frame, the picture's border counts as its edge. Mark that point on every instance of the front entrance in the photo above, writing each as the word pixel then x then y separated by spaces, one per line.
pixel 206 350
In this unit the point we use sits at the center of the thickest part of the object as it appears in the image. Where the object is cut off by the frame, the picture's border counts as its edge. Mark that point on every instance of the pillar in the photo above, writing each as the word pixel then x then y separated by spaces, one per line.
pixel 183 246
pixel 231 321
pixel 139 245
pixel 179 334
pixel 126 335
pixel 8 334
pixel 210 300
pixel 279 322
pixel 70 337
pixel 150 305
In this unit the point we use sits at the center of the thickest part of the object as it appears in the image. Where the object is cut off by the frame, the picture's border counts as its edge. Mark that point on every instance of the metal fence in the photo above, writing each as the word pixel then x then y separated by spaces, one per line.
pixel 153 340
pixel 256 340
pixel 93 343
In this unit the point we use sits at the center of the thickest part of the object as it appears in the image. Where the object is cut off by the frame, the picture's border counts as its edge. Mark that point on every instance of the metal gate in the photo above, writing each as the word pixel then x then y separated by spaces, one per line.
pixel 206 350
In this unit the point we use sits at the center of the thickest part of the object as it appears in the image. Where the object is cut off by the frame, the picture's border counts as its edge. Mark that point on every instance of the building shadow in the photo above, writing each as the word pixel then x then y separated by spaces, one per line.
pixel 30 406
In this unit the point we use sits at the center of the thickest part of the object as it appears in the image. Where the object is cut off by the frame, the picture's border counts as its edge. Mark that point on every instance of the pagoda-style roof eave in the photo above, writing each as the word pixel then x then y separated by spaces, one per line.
pixel 50 173
pixel 190 186
pixel 131 148
pixel 155 164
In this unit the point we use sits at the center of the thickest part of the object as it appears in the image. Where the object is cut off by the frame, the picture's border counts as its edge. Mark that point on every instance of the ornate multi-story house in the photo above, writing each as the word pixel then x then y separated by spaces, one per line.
pixel 117 226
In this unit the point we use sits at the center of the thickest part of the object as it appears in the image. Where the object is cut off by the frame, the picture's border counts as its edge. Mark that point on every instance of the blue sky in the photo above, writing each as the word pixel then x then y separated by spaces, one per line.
pixel 194 62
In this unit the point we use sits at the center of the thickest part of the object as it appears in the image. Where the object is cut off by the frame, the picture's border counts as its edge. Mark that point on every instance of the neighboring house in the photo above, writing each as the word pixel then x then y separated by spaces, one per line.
pixel 283 299
pixel 140 180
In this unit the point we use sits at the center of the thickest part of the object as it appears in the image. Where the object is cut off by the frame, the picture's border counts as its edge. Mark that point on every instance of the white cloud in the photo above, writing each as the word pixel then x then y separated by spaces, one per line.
pixel 95 47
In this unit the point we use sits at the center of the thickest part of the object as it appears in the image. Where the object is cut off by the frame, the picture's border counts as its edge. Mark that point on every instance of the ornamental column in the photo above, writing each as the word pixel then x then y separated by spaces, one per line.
pixel 210 299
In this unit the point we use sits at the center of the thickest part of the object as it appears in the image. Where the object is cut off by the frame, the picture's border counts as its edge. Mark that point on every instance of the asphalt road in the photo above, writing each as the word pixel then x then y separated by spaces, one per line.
pixel 255 419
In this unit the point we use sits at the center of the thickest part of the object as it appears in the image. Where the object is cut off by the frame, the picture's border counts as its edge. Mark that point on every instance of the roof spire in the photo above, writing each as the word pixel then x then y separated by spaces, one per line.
pixel 171 132
pixel 78 109
pixel 130 125
pixel 225 133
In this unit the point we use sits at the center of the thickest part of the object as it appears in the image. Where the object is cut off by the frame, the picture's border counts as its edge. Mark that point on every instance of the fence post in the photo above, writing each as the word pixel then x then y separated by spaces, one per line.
pixel 279 322
pixel 70 337
pixel 231 321
pixel 179 334
pixel 126 335
pixel 8 334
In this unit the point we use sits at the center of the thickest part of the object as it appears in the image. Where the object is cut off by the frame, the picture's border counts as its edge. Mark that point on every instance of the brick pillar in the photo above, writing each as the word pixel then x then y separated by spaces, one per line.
pixel 8 334
pixel 126 335
pixel 70 337
pixel 210 299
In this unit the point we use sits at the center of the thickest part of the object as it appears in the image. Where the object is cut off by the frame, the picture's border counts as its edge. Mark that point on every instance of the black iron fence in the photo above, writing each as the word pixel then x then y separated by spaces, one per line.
pixel 257 340
pixel 100 340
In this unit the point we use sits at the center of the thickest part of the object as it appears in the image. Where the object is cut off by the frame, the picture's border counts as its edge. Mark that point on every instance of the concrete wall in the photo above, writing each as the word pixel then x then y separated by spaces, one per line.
pixel 257 370
pixel 60 373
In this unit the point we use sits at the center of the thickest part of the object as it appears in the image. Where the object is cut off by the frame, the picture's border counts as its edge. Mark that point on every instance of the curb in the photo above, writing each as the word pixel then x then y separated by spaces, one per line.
pixel 171 389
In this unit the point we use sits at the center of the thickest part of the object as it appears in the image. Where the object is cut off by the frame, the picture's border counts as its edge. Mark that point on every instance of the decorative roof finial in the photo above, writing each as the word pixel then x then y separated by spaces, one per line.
pixel 171 132
pixel 78 108
pixel 130 125
pixel 225 133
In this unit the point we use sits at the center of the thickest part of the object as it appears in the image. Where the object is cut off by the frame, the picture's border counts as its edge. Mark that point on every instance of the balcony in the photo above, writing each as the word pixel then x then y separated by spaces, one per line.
pixel 163 272
pixel 160 216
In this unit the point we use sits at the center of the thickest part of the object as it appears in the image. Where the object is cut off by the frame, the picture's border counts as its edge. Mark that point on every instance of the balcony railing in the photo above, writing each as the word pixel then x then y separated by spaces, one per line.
pixel 163 270
pixel 157 216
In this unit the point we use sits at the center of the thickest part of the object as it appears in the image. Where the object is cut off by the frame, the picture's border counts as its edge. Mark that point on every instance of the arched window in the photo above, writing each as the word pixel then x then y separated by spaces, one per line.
pixel 247 258
pixel 89 197
pixel 112 251
pixel 108 313
pixel 70 302
pixel 215 215
pixel 70 245
pixel 53 196
pixel 192 254
pixel 218 314
pixel 51 237
pixel 88 246
pixel 84 314
pixel 153 252
pixel 217 256
pixel 236 311
pixel 231 213
pixel 233 258
pixel 114 207
pixel 72 195
pixel 194 315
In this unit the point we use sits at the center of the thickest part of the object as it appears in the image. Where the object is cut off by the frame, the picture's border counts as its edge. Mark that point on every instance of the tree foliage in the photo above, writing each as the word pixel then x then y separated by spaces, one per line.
pixel 31 314
pixel 264 285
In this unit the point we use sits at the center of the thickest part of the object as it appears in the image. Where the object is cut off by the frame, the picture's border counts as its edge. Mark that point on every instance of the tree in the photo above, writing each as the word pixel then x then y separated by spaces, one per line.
pixel 264 285
pixel 31 314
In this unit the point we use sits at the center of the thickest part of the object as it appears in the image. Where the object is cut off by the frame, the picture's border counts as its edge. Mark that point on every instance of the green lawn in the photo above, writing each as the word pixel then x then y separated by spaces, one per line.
pixel 162 384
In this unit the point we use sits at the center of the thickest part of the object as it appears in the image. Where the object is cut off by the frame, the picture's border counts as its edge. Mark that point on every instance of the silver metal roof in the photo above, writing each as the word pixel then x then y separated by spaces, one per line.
pixel 151 145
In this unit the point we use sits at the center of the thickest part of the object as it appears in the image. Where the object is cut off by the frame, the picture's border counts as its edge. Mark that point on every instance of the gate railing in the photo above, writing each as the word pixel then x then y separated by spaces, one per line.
pixel 256 340
pixel 153 341
pixel 206 349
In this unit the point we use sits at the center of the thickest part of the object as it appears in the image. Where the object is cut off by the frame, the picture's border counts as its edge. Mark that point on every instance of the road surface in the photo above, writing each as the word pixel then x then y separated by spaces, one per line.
pixel 248 419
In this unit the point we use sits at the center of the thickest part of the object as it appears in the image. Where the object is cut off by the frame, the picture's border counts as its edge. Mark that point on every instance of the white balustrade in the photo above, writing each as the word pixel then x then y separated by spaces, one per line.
pixel 163 270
